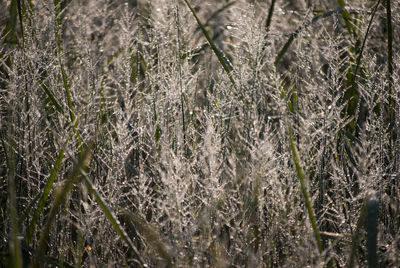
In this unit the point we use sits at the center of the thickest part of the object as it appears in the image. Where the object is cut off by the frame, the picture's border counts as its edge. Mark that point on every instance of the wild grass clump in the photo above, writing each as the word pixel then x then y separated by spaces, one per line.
pixel 199 134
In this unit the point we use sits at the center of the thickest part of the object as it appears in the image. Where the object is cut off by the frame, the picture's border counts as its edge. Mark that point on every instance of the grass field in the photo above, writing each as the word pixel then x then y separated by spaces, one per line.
pixel 188 133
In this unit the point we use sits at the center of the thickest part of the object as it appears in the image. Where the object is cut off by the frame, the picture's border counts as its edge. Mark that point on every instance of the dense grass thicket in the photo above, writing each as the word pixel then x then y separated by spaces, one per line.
pixel 188 133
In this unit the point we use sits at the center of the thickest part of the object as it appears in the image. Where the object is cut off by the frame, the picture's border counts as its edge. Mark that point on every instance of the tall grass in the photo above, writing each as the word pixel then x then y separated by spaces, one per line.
pixel 199 134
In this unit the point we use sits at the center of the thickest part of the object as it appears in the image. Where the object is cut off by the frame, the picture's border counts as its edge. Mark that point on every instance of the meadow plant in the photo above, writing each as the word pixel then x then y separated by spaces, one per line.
pixel 199 133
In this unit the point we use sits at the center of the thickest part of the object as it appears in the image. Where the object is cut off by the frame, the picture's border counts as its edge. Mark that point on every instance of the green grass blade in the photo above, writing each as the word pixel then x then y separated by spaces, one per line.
pixel 20 16
pixel 392 102
pixel 59 52
pixel 285 48
pixel 112 219
pixel 270 13
pixel 221 58
pixel 46 192
pixel 390 40
pixel 51 97
pixel 14 242
pixel 304 191
pixel 354 76
pixel 61 197
pixel 293 35
pixel 10 27
pixel 346 17
pixel 58 10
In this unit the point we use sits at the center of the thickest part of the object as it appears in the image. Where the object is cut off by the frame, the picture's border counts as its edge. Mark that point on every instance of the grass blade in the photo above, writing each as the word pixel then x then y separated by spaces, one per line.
pixel 346 17
pixel 304 191
pixel 293 35
pixel 20 16
pixel 112 219
pixel 390 41
pixel 354 76
pixel 10 27
pixel 61 197
pixel 285 48
pixel 14 242
pixel 46 191
pixel 392 102
pixel 221 58
pixel 270 12
pixel 51 97
pixel 58 10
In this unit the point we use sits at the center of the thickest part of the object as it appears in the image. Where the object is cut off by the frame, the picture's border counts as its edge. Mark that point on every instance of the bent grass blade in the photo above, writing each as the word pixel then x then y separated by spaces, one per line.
pixel 61 197
pixel 304 191
pixel 112 219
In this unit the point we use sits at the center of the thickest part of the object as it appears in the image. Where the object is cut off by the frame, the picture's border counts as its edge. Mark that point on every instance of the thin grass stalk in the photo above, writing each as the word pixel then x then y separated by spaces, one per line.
pixel 268 24
pixel 50 95
pixel 350 152
pixel 221 58
pixel 64 75
pixel 103 115
pixel 61 197
pixel 112 219
pixel 14 243
pixel 389 45
pixel 180 74
pixel 304 190
pixel 45 194
pixel 392 103
pixel 73 119
pixel 358 62
pixel 59 54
